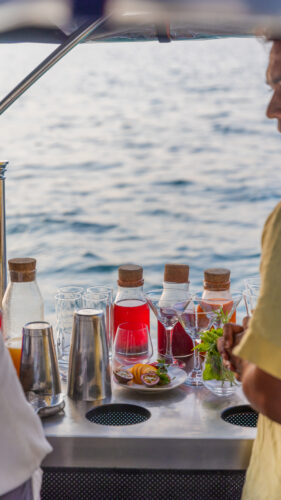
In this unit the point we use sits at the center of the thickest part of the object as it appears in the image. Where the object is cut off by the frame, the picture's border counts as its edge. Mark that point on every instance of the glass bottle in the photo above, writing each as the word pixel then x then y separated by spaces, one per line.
pixel 217 288
pixel 175 289
pixel 130 304
pixel 22 303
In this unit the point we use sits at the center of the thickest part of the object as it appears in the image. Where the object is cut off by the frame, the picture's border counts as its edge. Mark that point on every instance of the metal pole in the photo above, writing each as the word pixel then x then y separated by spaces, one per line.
pixel 3 255
pixel 78 36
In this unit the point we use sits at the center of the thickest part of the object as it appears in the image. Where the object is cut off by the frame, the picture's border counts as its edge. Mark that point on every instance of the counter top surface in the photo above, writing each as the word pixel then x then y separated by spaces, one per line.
pixel 185 431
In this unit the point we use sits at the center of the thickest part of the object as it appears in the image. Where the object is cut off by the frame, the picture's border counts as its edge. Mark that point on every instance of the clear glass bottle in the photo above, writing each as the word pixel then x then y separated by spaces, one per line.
pixel 130 304
pixel 176 289
pixel 217 286
pixel 21 304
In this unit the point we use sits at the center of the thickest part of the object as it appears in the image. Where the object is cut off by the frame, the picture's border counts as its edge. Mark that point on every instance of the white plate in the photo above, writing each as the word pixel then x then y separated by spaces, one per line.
pixel 177 375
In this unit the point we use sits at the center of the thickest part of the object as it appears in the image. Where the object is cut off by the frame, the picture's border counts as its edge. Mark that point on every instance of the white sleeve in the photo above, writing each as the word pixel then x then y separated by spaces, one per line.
pixel 23 445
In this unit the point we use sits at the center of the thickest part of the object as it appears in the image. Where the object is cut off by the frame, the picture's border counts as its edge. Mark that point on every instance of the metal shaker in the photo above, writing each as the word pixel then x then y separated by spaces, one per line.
pixel 39 367
pixel 89 371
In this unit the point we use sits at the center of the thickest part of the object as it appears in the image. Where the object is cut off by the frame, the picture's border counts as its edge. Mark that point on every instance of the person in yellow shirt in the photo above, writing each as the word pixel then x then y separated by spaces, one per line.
pixel 253 350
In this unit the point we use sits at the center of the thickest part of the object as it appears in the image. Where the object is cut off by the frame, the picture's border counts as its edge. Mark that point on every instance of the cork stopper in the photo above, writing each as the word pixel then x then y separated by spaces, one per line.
pixel 130 276
pixel 217 279
pixel 22 270
pixel 176 273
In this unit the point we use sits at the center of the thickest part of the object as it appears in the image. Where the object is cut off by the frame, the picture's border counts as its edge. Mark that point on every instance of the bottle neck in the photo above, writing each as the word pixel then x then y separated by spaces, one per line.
pixel 124 293
pixel 23 283
pixel 223 294
pixel 176 292
pixel 175 286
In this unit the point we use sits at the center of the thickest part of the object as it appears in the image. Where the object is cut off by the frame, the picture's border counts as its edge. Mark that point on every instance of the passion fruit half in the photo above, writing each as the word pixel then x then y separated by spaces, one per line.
pixel 123 376
pixel 150 379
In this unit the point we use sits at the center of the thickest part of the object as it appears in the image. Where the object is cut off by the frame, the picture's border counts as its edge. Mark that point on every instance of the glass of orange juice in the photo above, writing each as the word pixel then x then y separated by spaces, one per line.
pixel 14 346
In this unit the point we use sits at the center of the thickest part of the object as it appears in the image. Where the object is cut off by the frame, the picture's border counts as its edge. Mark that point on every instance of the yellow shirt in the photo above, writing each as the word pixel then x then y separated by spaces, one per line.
pixel 261 345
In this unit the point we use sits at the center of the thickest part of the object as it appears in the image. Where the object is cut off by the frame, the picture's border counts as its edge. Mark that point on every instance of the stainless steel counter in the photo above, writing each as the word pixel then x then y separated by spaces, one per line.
pixel 185 431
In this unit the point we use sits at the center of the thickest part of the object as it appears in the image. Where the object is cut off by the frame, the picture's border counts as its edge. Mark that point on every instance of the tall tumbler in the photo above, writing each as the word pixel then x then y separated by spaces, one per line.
pixel 67 302
pixel 39 367
pixel 101 297
pixel 89 372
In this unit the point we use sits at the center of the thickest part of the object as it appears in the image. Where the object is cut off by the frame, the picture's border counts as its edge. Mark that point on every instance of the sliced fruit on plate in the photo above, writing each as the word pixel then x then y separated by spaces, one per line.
pixel 139 369
pixel 134 370
pixel 123 376
pixel 139 372
pixel 150 379
pixel 148 369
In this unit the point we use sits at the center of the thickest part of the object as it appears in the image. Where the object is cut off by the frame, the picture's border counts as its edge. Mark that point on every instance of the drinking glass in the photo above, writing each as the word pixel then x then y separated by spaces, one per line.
pixel 107 290
pixel 66 304
pixel 132 344
pixel 101 289
pixel 223 383
pixel 70 290
pixel 14 346
pixel 251 293
pixel 101 300
pixel 250 301
pixel 166 312
pixel 253 284
pixel 195 322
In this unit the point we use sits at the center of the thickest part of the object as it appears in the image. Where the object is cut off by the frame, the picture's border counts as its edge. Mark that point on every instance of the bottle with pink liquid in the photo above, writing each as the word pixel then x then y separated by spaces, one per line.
pixel 130 304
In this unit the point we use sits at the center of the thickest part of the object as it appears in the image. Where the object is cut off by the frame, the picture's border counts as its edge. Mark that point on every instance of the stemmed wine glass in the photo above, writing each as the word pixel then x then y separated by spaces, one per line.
pixel 166 311
pixel 252 285
pixel 250 300
pixel 195 321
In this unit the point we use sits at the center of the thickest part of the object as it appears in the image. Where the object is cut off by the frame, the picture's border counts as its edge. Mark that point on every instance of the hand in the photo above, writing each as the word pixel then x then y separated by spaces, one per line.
pixel 232 335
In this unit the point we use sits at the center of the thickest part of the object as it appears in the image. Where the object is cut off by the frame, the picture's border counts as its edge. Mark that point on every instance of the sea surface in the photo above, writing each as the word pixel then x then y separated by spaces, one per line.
pixel 143 152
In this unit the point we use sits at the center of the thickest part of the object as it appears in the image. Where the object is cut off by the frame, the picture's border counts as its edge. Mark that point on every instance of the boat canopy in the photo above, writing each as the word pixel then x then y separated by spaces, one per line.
pixel 52 21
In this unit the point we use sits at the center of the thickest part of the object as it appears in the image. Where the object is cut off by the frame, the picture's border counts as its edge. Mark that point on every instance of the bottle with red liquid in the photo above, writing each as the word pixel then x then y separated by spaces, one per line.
pixel 130 305
pixel 217 289
pixel 175 288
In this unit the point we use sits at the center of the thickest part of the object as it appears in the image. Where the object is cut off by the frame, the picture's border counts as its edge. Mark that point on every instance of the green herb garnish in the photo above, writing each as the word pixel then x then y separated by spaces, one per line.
pixel 222 317
pixel 214 368
pixel 162 372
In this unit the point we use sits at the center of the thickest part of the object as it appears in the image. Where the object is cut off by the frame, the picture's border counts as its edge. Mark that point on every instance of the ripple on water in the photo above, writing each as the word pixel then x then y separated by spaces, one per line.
pixel 78 226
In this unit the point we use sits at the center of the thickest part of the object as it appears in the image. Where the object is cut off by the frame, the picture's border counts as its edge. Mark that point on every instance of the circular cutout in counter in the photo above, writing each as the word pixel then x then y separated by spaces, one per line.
pixel 243 415
pixel 118 414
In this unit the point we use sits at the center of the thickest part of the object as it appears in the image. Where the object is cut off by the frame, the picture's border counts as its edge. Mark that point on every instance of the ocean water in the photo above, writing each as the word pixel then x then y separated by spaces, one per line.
pixel 143 153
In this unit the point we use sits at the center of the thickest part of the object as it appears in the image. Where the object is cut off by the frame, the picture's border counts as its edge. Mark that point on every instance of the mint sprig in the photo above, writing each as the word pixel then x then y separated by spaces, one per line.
pixel 162 372
pixel 221 316
pixel 214 368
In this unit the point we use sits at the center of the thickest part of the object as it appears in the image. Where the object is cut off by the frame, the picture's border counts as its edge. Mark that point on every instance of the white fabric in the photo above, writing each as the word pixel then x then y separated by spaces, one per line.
pixel 22 442
pixel 36 484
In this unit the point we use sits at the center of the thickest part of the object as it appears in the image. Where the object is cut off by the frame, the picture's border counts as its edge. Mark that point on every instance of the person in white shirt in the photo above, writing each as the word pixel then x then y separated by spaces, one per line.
pixel 23 445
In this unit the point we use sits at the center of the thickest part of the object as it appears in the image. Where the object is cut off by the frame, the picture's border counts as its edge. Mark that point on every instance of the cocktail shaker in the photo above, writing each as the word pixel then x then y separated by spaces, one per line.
pixel 39 367
pixel 89 372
